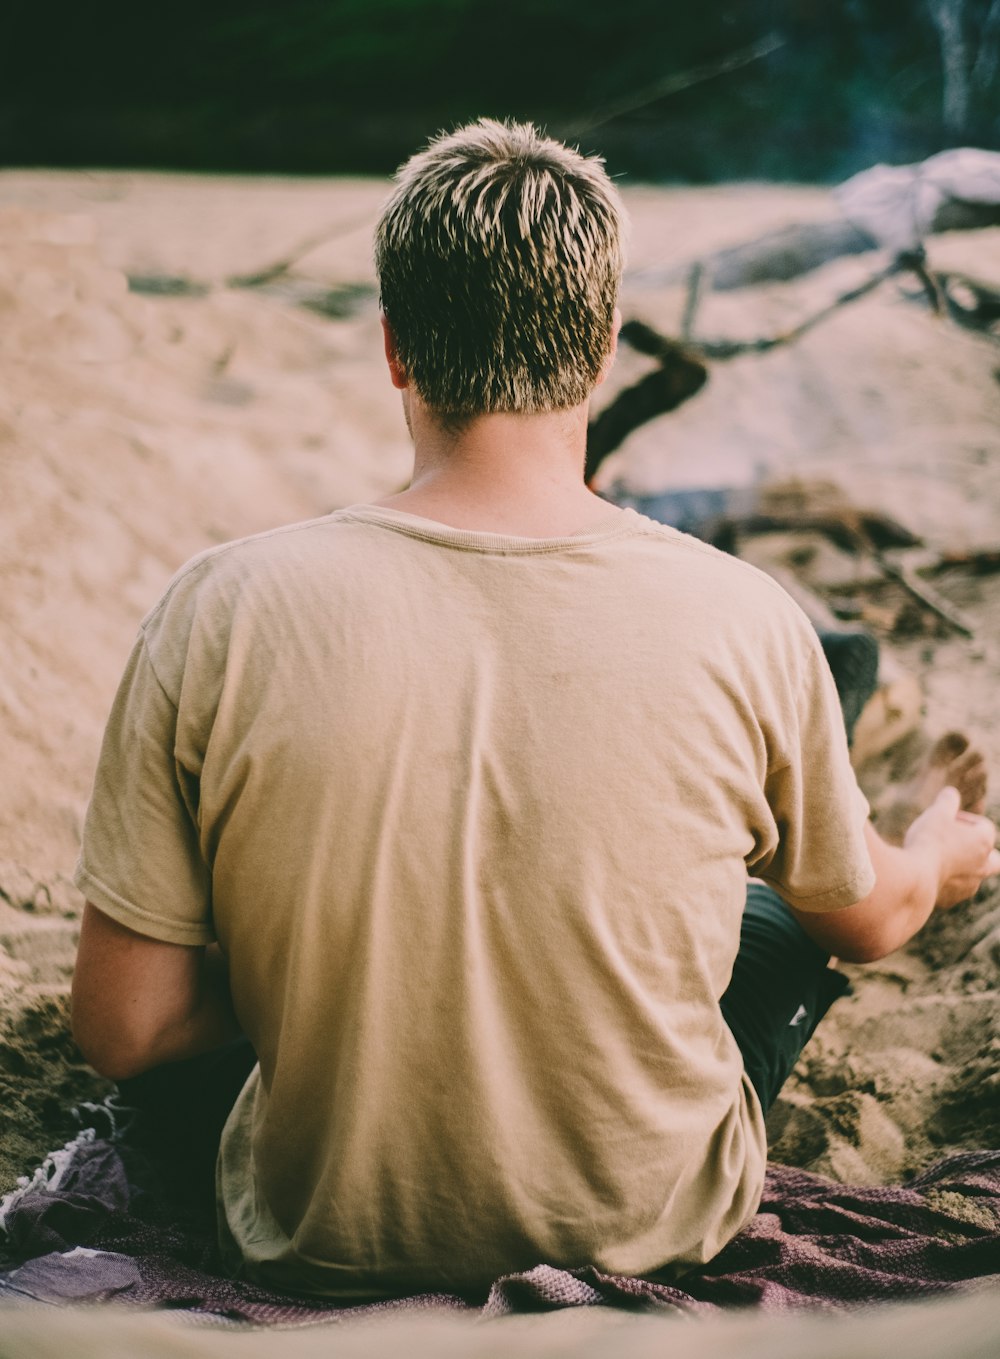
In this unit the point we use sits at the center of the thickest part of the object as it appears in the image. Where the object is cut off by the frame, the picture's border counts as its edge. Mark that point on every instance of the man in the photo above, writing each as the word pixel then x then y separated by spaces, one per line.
pixel 466 785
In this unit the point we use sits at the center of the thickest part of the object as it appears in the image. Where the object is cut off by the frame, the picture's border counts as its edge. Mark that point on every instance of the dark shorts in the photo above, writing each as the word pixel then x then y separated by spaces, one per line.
pixel 176 1113
pixel 781 989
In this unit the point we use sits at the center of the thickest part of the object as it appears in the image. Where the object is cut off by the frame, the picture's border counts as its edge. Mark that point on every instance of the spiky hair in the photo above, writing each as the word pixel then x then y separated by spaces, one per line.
pixel 499 255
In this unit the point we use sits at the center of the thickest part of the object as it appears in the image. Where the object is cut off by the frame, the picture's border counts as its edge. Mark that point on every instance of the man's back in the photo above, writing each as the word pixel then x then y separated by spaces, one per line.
pixel 470 815
pixel 478 895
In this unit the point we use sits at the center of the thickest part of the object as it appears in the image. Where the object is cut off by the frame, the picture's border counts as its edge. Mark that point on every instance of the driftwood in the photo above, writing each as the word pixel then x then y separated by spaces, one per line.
pixel 775 257
pixel 695 292
pixel 683 370
pixel 338 302
pixel 166 285
pixel 852 529
pixel 681 374
pixel 731 349
pixel 723 515
pixel 278 268
pixel 276 278
pixel 795 251
pixel 951 191
pixel 970 303
pixel 978 562
pixel 929 598
pixel 891 208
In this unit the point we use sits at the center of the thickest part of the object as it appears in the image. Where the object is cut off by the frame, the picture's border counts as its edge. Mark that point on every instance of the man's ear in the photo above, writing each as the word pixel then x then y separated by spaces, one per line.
pixel 608 364
pixel 397 373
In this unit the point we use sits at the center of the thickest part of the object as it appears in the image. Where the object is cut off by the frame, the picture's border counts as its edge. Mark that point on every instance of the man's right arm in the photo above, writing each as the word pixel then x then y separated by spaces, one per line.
pixel 139 1002
pixel 945 856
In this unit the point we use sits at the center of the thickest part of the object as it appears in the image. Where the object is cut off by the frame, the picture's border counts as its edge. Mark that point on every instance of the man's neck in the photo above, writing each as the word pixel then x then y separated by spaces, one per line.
pixel 516 474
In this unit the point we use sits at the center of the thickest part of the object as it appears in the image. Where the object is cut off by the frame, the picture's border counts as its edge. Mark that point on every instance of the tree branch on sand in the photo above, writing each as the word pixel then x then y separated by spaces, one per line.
pixel 683 366
pixel 277 268
pixel 891 208
pixel 680 374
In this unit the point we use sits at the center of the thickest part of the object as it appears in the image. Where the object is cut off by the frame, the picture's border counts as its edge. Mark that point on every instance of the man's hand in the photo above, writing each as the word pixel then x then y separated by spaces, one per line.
pixel 960 844
pixel 139 1002
pixel 945 857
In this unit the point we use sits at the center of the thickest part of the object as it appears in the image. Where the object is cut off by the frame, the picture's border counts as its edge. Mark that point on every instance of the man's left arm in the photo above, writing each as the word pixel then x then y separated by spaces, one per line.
pixel 139 1002
pixel 946 856
pixel 855 895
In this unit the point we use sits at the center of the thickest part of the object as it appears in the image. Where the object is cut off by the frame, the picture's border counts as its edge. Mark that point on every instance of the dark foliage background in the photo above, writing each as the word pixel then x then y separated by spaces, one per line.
pixel 716 89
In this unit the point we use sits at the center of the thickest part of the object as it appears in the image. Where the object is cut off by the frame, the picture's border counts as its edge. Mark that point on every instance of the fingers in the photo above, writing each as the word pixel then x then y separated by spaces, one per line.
pixel 988 867
pixel 948 802
pixel 964 884
pixel 969 843
pixel 963 841
pixel 972 835
pixel 950 805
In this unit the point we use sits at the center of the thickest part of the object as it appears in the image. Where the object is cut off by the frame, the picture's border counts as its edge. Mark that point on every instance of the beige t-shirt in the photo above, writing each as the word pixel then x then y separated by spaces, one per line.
pixel 471 817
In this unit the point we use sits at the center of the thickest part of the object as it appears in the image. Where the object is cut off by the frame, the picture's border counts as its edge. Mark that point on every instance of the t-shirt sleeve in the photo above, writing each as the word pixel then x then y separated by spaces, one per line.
pixel 141 862
pixel 821 862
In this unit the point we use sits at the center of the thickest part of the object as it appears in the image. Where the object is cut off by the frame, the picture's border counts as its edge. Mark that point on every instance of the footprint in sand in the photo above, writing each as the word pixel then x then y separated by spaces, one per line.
pixel 951 762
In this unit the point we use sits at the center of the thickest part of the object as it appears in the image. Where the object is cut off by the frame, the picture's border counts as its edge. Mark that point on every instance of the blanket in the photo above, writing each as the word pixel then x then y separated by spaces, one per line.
pixel 98 1223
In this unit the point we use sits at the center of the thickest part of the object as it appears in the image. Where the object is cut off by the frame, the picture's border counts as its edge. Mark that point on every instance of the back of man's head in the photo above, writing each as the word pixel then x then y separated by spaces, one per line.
pixel 499 257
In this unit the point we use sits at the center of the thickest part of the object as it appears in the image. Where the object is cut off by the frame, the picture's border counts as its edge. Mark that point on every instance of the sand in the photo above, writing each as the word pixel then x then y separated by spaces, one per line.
pixel 964 1328
pixel 136 430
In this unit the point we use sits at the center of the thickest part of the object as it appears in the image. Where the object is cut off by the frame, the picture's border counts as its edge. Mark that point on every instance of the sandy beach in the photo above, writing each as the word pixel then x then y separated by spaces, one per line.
pixel 139 427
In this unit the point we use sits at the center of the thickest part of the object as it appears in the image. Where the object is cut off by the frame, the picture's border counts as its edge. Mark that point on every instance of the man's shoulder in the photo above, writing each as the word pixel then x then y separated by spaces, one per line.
pixel 221 572
pixel 718 569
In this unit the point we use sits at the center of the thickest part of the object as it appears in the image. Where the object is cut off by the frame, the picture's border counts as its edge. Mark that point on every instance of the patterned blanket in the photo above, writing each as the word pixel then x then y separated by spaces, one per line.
pixel 97 1224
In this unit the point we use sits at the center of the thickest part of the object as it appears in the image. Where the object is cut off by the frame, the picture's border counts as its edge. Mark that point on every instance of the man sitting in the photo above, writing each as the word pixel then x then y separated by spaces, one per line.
pixel 448 804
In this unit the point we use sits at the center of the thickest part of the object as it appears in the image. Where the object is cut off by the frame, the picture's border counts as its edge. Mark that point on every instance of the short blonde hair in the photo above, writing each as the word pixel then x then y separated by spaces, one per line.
pixel 499 257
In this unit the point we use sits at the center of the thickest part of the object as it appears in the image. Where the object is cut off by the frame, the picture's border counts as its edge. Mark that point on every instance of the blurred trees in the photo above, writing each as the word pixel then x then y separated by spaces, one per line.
pixel 321 85
pixel 969 35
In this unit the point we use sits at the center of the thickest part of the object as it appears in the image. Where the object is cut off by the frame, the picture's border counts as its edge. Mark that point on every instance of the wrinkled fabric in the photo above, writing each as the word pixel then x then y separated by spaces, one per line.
pixel 105 1228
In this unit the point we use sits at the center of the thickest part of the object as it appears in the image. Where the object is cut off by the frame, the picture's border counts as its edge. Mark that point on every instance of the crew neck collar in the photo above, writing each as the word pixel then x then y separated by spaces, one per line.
pixel 475 540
